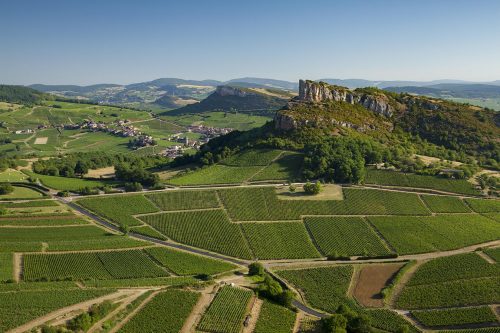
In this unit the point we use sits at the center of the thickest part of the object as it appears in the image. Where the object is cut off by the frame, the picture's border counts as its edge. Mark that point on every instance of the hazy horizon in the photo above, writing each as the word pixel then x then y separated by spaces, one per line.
pixel 122 42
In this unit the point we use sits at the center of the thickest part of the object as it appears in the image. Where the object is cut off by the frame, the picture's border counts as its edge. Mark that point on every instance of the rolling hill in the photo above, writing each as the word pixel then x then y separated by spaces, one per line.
pixel 262 101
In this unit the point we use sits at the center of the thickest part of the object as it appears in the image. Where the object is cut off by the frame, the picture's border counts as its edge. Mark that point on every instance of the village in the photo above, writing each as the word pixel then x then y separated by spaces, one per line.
pixel 124 128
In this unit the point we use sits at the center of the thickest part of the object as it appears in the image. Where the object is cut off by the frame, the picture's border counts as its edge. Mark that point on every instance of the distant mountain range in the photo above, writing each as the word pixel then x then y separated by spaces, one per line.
pixel 173 93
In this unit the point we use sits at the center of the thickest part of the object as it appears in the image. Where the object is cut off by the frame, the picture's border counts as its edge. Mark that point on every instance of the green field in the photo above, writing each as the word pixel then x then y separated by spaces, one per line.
pixel 346 236
pixel 285 240
pixel 450 317
pixel 12 175
pixel 166 312
pixel 118 209
pixel 460 280
pixel 61 239
pixel 441 204
pixel 66 183
pixel 388 320
pixel 484 206
pixel 183 263
pixel 287 167
pixel 91 265
pixel 252 157
pixel 216 174
pixel 6 267
pixel 237 120
pixel 20 307
pixel 30 203
pixel 21 193
pixel 409 234
pixel 184 200
pixel 494 253
pixel 43 220
pixel 227 311
pixel 324 288
pixel 457 267
pixel 262 204
pixel 209 230
pixel 275 318
pixel 393 178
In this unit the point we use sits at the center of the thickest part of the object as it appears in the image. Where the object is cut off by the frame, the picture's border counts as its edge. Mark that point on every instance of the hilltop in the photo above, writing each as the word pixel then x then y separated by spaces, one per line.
pixel 256 100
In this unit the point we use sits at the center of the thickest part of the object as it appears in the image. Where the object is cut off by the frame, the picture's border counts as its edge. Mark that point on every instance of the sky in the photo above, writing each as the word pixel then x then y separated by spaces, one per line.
pixel 122 41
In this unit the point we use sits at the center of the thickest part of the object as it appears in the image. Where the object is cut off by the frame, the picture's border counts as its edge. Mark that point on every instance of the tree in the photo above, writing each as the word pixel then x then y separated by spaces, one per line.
pixel 256 268
pixel 81 168
pixel 335 323
pixel 133 187
pixel 312 188
pixel 6 188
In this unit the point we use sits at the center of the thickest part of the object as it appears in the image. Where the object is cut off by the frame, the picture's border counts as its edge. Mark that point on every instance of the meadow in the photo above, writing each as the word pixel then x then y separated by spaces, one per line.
pixel 66 183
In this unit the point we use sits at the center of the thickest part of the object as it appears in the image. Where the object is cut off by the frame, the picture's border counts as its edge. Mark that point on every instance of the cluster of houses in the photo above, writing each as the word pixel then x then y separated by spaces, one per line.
pixel 122 129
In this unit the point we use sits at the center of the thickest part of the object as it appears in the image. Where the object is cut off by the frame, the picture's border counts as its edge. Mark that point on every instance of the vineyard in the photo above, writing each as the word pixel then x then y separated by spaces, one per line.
pixel 262 204
pixel 494 253
pixel 450 317
pixel 442 204
pixel 118 209
pixel 443 232
pixel 90 265
pixel 252 157
pixel 44 220
pixel 166 312
pixel 324 288
pixel 346 236
pixel 183 200
pixel 61 239
pixel 215 174
pixel 20 307
pixel 274 318
pixel 227 311
pixel 285 240
pixel 393 178
pixel 484 206
pixel 458 267
pixel 388 320
pixel 287 167
pixel 209 230
pixel 6 266
pixel 183 263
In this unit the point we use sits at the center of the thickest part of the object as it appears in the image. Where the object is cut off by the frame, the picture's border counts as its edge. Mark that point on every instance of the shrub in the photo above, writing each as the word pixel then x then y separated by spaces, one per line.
pixel 6 189
pixel 312 188
pixel 133 187
pixel 256 268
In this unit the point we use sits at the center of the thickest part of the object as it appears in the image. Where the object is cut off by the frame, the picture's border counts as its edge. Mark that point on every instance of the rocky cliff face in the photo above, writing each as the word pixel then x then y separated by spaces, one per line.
pixel 315 92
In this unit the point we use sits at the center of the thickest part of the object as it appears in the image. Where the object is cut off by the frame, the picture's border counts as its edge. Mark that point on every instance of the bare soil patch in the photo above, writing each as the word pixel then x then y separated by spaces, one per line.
pixel 41 140
pixel 107 172
pixel 372 279
pixel 328 192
